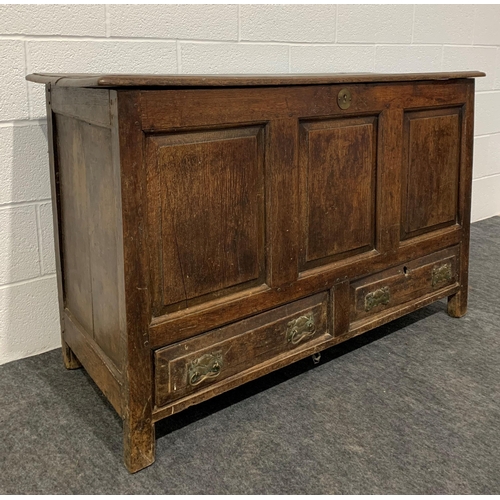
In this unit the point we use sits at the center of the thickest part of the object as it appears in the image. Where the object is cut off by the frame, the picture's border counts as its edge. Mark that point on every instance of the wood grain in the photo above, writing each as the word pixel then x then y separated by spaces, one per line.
pixel 457 304
pixel 138 428
pixel 210 221
pixel 124 80
pixel 198 216
pixel 240 346
pixel 431 170
pixel 338 182
pixel 403 283
pixel 69 358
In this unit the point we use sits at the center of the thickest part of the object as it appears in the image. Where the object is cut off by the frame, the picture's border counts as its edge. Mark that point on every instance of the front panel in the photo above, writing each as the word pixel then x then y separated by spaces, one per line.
pixel 207 199
pixel 338 160
pixel 259 197
pixel 431 169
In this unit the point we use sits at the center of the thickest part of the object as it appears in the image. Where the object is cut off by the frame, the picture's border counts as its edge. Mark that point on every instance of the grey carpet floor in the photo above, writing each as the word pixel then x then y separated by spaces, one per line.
pixel 411 407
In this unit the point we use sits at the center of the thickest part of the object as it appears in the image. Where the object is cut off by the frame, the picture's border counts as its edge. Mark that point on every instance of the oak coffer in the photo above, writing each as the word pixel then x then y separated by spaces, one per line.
pixel 211 229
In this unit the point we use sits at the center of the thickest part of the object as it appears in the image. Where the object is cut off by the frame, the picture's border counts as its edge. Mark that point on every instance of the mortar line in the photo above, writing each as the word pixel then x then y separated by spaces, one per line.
pixel 27 281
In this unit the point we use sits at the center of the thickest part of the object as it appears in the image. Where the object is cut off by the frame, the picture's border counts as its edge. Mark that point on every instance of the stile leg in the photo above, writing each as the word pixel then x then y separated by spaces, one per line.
pixel 139 444
pixel 70 360
pixel 457 304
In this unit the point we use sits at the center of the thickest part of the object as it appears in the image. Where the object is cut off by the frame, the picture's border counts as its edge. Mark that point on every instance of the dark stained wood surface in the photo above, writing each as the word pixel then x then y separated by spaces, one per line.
pixel 403 284
pixel 457 304
pixel 124 80
pixel 207 192
pixel 239 346
pixel 164 110
pixel 431 170
pixel 194 320
pixel 291 357
pixel 138 427
pixel 338 163
pixel 199 220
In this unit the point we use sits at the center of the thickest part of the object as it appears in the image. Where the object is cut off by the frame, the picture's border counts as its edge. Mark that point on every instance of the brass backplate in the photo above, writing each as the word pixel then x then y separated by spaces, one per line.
pixel 382 296
pixel 300 329
pixel 207 366
pixel 441 274
pixel 344 99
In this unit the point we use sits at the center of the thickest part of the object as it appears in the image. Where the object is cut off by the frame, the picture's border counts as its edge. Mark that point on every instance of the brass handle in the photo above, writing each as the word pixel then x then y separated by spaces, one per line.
pixel 206 366
pixel 376 298
pixel 441 274
pixel 300 329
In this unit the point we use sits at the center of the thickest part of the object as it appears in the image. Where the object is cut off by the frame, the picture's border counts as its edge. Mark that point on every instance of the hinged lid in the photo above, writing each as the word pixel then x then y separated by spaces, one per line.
pixel 117 80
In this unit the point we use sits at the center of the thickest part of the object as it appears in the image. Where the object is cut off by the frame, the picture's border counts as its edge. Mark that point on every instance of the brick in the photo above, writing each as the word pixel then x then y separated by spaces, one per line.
pixel 330 59
pixel 19 259
pixel 443 24
pixel 486 155
pixel 233 58
pixel 288 23
pixel 47 242
pixel 472 58
pixel 24 164
pixel 374 23
pixel 408 58
pixel 487 115
pixel 487 25
pixel 203 22
pixel 29 319
pixel 36 96
pixel 485 199
pixel 497 75
pixel 96 57
pixel 102 57
pixel 82 20
pixel 13 95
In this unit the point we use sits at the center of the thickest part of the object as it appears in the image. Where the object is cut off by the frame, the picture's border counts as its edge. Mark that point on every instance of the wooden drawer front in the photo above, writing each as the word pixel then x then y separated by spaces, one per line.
pixel 187 367
pixel 398 285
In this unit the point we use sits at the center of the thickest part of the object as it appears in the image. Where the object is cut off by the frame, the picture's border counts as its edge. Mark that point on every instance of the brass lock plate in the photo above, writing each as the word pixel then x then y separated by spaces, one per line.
pixel 344 99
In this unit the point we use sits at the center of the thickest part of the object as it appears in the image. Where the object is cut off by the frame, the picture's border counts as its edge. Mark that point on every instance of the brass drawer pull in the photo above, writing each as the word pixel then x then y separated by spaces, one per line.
pixel 206 366
pixel 376 298
pixel 441 274
pixel 300 329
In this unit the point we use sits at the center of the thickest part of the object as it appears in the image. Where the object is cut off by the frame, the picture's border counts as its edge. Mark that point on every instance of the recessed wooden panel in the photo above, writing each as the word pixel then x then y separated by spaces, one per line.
pixel 207 213
pixel 338 173
pixel 430 170
pixel 90 238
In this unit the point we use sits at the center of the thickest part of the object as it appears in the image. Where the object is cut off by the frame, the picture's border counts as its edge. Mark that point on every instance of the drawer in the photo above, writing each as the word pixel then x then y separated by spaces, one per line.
pixel 376 293
pixel 192 365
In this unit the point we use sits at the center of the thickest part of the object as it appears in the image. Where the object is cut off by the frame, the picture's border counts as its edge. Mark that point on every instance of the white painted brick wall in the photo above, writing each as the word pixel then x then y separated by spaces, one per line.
pixel 192 22
pixel 452 24
pixel 331 58
pixel 374 23
pixel 283 23
pixel 197 39
pixel 232 58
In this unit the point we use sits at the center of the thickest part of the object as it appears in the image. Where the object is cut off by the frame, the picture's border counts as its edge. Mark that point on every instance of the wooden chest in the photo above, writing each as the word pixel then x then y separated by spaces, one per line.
pixel 211 229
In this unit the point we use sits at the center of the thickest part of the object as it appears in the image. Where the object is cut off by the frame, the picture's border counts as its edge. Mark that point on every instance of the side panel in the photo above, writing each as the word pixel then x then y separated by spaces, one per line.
pixel 90 230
